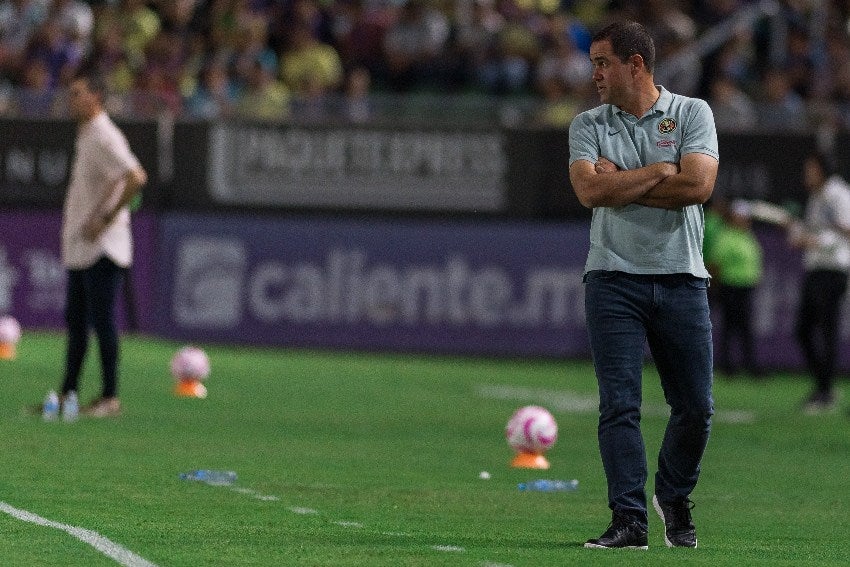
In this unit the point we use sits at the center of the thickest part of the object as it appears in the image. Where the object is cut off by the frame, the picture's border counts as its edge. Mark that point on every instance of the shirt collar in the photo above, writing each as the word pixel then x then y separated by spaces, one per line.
pixel 661 105
pixel 96 119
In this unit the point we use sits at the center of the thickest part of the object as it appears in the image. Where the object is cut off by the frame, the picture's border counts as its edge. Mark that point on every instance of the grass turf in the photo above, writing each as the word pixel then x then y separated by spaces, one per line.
pixel 361 459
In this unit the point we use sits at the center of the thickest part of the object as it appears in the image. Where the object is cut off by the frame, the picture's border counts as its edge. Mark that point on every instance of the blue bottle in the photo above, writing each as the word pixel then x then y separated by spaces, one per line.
pixel 217 478
pixel 70 407
pixel 546 485
pixel 50 408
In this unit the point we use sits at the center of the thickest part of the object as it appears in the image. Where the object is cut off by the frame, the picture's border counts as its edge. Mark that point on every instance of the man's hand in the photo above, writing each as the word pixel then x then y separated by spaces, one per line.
pixel 604 165
pixel 95 226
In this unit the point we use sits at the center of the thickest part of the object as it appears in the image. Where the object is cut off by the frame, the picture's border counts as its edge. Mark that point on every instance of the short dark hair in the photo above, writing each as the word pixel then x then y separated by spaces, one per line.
pixel 94 80
pixel 825 161
pixel 629 38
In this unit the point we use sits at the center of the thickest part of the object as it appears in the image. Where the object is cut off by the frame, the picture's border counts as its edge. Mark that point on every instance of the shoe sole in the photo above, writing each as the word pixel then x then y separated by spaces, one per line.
pixel 589 545
pixel 667 541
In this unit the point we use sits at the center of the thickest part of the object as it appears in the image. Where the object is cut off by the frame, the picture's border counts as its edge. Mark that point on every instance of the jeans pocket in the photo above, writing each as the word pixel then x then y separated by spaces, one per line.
pixel 696 283
pixel 599 276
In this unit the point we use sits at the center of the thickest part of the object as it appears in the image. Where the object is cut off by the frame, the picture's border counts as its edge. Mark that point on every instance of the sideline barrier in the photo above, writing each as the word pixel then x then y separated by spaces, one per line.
pixel 503 288
pixel 228 166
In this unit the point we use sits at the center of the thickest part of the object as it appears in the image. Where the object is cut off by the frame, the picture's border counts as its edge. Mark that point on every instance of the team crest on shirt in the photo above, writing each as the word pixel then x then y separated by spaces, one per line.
pixel 667 125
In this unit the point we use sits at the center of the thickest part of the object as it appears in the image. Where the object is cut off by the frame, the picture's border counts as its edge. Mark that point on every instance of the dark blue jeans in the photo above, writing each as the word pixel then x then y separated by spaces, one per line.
pixel 90 303
pixel 670 313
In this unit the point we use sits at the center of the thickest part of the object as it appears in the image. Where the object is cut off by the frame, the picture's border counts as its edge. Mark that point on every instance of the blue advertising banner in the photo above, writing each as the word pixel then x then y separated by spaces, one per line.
pixel 450 287
pixel 443 287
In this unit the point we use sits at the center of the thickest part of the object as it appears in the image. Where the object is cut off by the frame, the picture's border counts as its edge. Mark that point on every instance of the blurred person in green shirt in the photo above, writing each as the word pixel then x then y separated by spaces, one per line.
pixel 737 259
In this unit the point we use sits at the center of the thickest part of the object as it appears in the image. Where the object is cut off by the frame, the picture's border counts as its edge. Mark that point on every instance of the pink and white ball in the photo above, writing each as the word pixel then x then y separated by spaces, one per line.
pixel 531 429
pixel 10 330
pixel 190 364
pixel 10 334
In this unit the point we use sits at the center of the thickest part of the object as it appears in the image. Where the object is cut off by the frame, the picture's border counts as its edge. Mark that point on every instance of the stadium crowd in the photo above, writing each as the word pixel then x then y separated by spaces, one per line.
pixel 787 67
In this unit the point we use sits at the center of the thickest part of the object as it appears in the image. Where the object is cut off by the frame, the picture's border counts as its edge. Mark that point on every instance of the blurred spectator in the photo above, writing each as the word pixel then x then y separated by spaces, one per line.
pixel 824 238
pixel 264 97
pixel 683 71
pixel 76 20
pixel 53 47
pixel 358 32
pixel 36 95
pixel 737 259
pixel 733 109
pixel 139 24
pixel 156 93
pixel 112 62
pixel 508 69
pixel 215 96
pixel 501 47
pixel 223 26
pixel 712 12
pixel 19 21
pixel 307 64
pixel 413 47
pixel 477 27
pixel 838 49
pixel 736 61
pixel 313 104
pixel 252 46
pixel 801 64
pixel 780 108
pixel 564 61
pixel 667 23
pixel 288 14
pixel 559 107
pixel 357 103
pixel 674 33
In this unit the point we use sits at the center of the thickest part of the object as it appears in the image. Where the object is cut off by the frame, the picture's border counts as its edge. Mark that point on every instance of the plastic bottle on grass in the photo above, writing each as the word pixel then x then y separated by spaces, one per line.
pixel 219 478
pixel 71 407
pixel 546 485
pixel 50 408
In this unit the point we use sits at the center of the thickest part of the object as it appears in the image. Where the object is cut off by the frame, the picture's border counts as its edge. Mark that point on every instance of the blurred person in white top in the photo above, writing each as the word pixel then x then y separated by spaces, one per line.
pixel 97 243
pixel 824 237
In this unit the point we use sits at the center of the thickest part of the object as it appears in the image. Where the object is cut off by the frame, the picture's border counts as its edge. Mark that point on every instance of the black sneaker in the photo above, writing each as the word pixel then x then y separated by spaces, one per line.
pixel 679 530
pixel 820 402
pixel 622 533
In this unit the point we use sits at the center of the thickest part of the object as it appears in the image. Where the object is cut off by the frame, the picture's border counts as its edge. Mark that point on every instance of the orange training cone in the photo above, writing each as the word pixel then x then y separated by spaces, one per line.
pixel 190 388
pixel 530 461
pixel 8 351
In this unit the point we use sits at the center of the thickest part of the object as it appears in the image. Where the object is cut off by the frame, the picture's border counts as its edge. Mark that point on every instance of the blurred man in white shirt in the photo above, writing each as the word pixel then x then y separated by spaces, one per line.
pixel 97 246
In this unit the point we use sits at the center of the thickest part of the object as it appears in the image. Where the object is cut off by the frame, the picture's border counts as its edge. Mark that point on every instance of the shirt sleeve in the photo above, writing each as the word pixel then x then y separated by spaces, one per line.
pixel 116 156
pixel 841 208
pixel 700 135
pixel 583 143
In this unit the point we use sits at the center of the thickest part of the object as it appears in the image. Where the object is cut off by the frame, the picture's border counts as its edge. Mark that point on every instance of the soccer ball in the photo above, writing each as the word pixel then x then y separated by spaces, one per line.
pixel 10 330
pixel 190 363
pixel 531 429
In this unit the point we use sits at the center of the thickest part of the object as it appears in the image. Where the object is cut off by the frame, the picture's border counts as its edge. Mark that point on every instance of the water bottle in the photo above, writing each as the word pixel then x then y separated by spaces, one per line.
pixel 50 408
pixel 218 478
pixel 70 407
pixel 546 485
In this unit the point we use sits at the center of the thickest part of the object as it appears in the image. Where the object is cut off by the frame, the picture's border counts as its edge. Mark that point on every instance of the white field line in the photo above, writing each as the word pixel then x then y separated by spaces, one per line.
pixel 448 548
pixel 254 494
pixel 104 545
pixel 348 524
pixel 572 402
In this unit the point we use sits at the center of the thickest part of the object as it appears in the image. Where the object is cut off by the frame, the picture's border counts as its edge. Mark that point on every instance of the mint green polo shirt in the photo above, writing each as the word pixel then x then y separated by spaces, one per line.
pixel 634 238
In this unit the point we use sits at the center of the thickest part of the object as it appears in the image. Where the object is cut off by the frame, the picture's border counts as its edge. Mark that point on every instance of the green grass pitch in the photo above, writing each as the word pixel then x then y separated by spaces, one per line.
pixel 374 459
